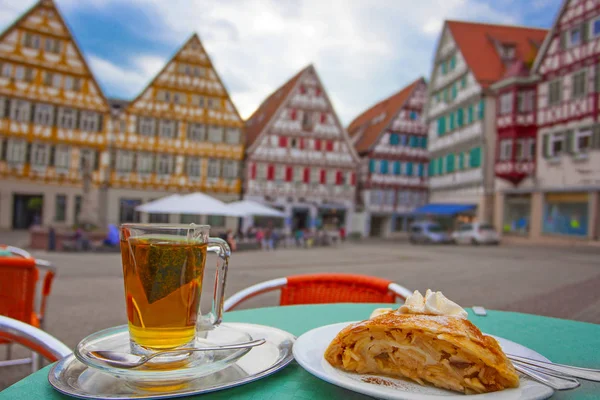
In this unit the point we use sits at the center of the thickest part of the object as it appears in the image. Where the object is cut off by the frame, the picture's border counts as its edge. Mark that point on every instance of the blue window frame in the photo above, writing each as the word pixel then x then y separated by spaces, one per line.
pixel 384 166
pixel 397 167
pixel 421 170
pixel 394 139
pixel 403 140
pixel 596 28
pixel 412 141
pixel 372 165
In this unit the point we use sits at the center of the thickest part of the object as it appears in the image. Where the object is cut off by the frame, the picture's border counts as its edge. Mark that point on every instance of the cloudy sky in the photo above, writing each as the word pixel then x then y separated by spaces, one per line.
pixel 364 50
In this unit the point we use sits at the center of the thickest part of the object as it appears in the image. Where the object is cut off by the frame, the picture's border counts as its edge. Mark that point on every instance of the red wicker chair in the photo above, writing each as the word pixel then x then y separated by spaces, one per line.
pixel 325 288
pixel 23 296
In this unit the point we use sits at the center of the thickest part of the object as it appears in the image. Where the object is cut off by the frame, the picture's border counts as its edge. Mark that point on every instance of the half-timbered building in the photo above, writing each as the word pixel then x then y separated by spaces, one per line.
pixel 54 122
pixel 391 140
pixel 181 134
pixel 299 157
pixel 461 112
pixel 564 198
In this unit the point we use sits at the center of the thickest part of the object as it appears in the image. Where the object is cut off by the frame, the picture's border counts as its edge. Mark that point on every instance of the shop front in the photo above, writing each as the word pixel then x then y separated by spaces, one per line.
pixel 566 214
pixel 448 215
pixel 517 214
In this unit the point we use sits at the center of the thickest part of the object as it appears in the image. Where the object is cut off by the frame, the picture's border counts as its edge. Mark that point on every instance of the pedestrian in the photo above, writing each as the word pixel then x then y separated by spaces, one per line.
pixel 260 237
pixel 231 240
pixel 268 238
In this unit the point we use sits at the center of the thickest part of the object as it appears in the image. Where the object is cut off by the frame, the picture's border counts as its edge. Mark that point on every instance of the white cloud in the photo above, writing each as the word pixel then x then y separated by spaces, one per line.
pixel 128 80
pixel 364 50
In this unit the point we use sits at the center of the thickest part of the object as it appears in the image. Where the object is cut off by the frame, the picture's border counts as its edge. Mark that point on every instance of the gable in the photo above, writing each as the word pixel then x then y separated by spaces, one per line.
pixel 300 105
pixel 188 87
pixel 40 60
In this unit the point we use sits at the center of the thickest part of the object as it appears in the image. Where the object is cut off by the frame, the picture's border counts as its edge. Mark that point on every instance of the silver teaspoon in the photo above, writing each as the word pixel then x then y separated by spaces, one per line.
pixel 127 360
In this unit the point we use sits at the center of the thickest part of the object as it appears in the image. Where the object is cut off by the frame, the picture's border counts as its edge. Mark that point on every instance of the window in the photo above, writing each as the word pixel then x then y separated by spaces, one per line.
pixel 233 135
pixel 451 127
pixel 403 140
pixel 525 149
pixel 20 110
pixel 308 121
pixel 261 171
pixel 145 163
pixel 214 167
pixel 475 157
pixel 394 139
pixel 62 157
pixel 20 73
pixel 199 71
pixel 384 166
pixel 67 118
pixel 6 70
pixel 215 220
pixel 30 40
pixel 556 144
pixel 372 166
pixel 40 154
pixel 56 80
pixel 298 174
pixel 124 161
pixel 525 101
pixel 28 75
pixel 471 114
pixel 409 168
pixel 481 111
pixel 48 78
pixel 127 211
pixel 574 37
pixel 315 175
pixel 164 164
pixel 52 45
pixel 582 141
pixel 60 208
pixel 76 85
pixel 230 169
pixel 198 100
pixel 595 28
pixel 147 126
pixel 566 214
pixel 507 51
pixel 193 166
pixel 463 82
pixel 450 163
pixel 178 98
pixel 16 151
pixel 213 104
pixel 87 158
pixel 444 67
pixel 279 173
pixel 69 83
pixel 215 133
pixel 579 84
pixel 554 95
pixel 506 103
pixel 88 121
pixel 441 126
pixel 460 119
pixel 454 90
pixel 196 132
pixel 376 197
pixel 167 128
pixel 414 115
pixel 506 148
pixel 453 62
pixel 44 114
pixel 190 219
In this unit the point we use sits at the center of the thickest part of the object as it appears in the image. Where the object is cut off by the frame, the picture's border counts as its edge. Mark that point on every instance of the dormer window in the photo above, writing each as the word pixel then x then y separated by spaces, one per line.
pixel 378 118
pixel 508 51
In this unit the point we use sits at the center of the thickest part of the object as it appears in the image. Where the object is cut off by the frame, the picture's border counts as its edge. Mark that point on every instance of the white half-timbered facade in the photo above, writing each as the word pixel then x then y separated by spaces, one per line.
pixel 299 157
pixel 391 140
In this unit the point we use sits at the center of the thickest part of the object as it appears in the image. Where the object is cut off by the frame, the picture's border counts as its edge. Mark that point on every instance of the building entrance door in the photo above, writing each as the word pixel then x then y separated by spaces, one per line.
pixel 377 224
pixel 299 219
pixel 27 210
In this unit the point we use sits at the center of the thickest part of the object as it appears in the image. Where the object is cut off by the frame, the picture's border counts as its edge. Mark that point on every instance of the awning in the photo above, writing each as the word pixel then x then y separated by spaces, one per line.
pixel 249 207
pixel 444 209
pixel 194 204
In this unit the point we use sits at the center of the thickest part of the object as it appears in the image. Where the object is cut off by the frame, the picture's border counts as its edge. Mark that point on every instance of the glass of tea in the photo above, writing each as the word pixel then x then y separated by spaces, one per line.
pixel 163 270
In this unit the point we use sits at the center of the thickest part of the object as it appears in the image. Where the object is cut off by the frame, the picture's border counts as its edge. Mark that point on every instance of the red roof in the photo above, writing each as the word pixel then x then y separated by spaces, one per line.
pixel 389 107
pixel 476 43
pixel 263 114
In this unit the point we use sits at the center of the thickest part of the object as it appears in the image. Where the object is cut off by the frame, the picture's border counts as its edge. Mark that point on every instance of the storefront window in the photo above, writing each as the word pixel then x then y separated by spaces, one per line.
pixel 517 214
pixel 566 214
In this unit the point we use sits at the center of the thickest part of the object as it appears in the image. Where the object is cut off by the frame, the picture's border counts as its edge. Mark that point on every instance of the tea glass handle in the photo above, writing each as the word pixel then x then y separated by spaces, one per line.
pixel 213 318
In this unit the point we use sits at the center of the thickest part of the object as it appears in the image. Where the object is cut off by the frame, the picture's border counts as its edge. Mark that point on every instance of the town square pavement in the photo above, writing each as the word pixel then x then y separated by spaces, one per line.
pixel 561 282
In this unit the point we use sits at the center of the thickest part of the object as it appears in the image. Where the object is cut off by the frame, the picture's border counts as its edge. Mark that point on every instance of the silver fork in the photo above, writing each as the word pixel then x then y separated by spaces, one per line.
pixel 564 370
pixel 553 380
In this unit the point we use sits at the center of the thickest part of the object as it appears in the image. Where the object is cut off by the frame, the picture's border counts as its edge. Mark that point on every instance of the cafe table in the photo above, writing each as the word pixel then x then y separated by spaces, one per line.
pixel 562 341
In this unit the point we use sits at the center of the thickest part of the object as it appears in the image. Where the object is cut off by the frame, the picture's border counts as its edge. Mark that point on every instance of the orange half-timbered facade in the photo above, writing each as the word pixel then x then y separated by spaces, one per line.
pixel 391 139
pixel 300 158
pixel 53 120
pixel 181 134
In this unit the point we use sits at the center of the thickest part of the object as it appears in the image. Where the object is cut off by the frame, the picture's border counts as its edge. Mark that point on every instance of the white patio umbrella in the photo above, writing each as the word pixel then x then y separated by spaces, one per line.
pixel 249 207
pixel 195 203
pixel 158 205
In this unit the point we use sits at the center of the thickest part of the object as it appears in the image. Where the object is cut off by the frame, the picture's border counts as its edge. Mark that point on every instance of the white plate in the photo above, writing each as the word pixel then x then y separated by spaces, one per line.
pixel 310 347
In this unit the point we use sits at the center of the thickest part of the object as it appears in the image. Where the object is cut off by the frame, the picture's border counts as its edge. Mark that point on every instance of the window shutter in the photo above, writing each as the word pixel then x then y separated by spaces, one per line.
pixel 100 122
pixel 270 172
pixel 4 149
pixel 353 179
pixel 134 159
pixel 96 155
pixel 28 153
pixel 338 178
pixel 323 117
pixel 282 141
pixel 595 142
pixel 306 175
pixel 318 144
pixel 585 29
pixel 323 176
pixel 563 40
pixel 288 174
pixel 293 114
pixel 569 136
pixel 253 171
pixel 597 78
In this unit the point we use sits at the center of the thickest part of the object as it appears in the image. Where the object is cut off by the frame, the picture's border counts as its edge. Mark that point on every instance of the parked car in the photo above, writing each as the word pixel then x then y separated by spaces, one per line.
pixel 476 233
pixel 428 232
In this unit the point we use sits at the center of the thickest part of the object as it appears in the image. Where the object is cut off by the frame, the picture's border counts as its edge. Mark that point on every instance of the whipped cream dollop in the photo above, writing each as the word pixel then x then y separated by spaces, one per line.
pixel 434 303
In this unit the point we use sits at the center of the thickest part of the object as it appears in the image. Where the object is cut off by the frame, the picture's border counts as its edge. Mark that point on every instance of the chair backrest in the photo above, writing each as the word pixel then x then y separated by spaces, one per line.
pixel 33 338
pixel 336 288
pixel 18 277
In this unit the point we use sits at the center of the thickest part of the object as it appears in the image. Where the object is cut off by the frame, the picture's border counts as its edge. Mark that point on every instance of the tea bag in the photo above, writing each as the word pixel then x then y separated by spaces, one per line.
pixel 168 268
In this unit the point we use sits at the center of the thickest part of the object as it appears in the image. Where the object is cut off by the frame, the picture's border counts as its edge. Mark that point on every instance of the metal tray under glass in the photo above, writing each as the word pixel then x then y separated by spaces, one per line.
pixel 73 378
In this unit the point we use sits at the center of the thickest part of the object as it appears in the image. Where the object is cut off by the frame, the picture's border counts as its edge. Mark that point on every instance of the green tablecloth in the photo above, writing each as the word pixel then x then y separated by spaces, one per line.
pixel 562 341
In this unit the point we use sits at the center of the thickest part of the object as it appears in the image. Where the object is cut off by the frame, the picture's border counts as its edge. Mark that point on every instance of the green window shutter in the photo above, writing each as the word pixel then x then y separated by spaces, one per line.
pixel 451 122
pixel 545 143
pixel 563 40
pixel 441 126
pixel 595 144
pixel 597 78
pixel 569 137
pixel 444 69
pixel 470 114
pixel 454 90
pixel 453 62
pixel 475 156
pixel 460 117
pixel 463 82
pixel 446 96
pixel 481 108
pixel 431 168
pixel 585 29
pixel 450 162
pixel 461 161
